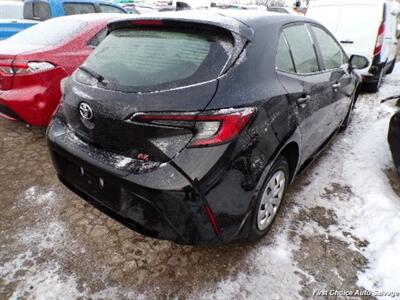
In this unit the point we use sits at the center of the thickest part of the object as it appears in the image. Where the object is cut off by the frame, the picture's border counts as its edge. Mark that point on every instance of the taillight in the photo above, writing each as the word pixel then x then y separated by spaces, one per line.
pixel 6 66
pixel 211 128
pixel 221 127
pixel 379 39
pixel 23 67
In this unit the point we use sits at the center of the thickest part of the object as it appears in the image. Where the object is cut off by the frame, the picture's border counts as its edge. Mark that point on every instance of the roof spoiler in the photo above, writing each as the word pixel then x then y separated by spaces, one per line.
pixel 174 19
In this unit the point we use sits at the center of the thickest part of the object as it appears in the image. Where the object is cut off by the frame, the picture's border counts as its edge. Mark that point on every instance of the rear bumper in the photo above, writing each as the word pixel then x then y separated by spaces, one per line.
pixel 163 203
pixel 30 105
pixel 373 74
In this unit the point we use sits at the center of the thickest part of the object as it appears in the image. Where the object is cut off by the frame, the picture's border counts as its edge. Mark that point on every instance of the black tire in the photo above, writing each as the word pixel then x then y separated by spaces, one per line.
pixel 391 68
pixel 394 139
pixel 280 164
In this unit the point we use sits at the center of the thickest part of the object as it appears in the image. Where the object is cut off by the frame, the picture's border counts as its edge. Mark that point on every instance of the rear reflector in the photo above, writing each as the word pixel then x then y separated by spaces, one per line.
pixel 211 128
pixel 213 220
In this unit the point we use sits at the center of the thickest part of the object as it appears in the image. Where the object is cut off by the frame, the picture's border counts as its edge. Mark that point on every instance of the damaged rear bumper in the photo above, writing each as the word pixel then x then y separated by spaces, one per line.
pixel 162 203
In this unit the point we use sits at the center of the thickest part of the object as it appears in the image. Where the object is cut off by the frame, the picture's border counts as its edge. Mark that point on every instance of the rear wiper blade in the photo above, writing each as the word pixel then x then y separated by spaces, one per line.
pixel 94 74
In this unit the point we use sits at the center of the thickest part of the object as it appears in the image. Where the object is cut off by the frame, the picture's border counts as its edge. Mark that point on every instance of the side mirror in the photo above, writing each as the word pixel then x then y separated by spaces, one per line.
pixel 359 62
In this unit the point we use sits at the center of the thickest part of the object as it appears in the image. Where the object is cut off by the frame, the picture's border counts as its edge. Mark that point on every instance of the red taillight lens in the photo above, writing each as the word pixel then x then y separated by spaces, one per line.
pixel 230 124
pixel 379 39
pixel 147 22
pixel 211 128
pixel 6 74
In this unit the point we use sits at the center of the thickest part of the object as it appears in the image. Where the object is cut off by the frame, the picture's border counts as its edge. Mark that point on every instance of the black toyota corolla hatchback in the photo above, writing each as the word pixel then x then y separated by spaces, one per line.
pixel 189 126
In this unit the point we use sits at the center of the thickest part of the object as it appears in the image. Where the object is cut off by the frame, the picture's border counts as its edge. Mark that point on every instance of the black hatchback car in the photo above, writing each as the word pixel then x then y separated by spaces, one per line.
pixel 189 126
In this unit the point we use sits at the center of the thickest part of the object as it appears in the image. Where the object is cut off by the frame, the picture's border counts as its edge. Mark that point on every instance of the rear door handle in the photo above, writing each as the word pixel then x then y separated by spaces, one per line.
pixel 303 100
pixel 347 42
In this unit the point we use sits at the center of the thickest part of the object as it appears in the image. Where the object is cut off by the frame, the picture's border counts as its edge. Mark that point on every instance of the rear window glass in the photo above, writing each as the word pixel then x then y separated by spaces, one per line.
pixel 305 58
pixel 284 60
pixel 144 60
pixel 56 30
pixel 41 11
pixel 78 8
pixel 11 11
pixel 331 52
pixel 111 9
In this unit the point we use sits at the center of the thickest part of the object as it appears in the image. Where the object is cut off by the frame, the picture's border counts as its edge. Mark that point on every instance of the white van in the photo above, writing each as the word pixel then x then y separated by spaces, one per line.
pixel 363 27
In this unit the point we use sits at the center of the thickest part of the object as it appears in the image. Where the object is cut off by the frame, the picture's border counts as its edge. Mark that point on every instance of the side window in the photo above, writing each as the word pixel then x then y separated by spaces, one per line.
pixel 331 52
pixel 78 8
pixel 41 11
pixel 94 42
pixel 28 11
pixel 304 56
pixel 110 9
pixel 284 60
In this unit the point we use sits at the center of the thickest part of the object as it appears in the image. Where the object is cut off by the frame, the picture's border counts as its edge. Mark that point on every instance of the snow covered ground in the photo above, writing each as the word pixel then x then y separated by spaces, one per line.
pixel 377 219
pixel 339 229
pixel 360 161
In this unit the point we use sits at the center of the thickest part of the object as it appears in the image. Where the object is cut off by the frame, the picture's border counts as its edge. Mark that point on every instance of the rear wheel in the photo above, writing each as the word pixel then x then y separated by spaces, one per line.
pixel 269 199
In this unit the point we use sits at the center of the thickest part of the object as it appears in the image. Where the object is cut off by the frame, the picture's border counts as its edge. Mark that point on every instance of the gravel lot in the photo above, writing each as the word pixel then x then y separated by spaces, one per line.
pixel 55 246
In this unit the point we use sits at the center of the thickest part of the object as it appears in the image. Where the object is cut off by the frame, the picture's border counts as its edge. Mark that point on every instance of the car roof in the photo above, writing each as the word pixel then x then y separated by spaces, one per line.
pixel 242 22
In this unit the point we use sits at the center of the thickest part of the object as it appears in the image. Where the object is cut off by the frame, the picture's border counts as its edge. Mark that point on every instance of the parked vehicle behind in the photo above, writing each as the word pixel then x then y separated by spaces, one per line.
pixel 363 27
pixel 34 61
pixel 394 133
pixel 189 126
pixel 11 19
pixel 135 8
pixel 41 10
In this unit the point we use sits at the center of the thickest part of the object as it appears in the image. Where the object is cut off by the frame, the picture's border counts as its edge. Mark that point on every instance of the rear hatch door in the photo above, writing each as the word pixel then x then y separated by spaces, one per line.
pixel 145 84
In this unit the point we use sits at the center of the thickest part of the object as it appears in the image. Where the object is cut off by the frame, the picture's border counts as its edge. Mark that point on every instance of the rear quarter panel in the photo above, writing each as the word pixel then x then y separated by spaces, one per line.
pixel 252 82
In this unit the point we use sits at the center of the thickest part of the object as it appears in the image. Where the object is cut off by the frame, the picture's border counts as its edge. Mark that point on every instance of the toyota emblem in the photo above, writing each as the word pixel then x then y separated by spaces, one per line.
pixel 86 111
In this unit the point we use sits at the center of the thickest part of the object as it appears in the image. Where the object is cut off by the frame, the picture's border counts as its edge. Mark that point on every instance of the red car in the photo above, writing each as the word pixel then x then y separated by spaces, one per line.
pixel 34 61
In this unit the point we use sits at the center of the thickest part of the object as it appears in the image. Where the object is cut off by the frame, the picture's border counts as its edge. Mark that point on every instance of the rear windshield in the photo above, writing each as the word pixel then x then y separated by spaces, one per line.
pixel 11 11
pixel 49 33
pixel 145 60
pixel 78 8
